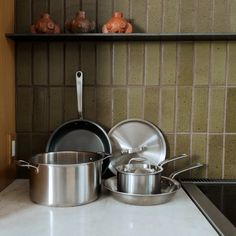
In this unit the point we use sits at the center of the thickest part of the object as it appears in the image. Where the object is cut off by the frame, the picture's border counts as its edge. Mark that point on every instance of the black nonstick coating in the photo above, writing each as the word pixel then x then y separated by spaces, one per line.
pixel 80 135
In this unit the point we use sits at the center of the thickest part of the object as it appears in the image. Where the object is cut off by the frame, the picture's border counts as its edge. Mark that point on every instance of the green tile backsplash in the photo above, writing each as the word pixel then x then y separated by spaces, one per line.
pixel 187 89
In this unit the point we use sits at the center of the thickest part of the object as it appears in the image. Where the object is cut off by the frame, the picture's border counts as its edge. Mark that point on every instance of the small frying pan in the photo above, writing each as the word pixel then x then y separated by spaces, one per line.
pixel 80 134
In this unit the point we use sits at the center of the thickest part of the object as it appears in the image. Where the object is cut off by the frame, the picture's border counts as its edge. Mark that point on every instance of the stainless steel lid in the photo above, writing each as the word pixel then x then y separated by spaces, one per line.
pixel 139 169
pixel 136 138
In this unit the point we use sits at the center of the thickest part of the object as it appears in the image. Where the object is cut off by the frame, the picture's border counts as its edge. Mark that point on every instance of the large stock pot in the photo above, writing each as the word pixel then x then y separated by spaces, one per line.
pixel 65 178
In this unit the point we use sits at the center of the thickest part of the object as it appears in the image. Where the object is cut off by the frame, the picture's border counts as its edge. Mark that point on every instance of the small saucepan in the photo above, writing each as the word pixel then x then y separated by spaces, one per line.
pixel 142 178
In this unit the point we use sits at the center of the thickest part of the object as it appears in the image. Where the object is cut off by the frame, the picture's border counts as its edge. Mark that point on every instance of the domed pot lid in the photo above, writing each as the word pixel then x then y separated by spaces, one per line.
pixel 136 138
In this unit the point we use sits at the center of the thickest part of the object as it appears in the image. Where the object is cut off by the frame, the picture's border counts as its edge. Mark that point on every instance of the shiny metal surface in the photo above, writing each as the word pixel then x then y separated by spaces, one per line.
pixel 190 167
pixel 136 137
pixel 168 160
pixel 79 91
pixel 65 178
pixel 169 188
pixel 139 183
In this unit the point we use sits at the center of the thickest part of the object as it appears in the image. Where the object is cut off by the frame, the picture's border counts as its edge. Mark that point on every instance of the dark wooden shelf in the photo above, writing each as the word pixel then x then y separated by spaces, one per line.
pixel 123 37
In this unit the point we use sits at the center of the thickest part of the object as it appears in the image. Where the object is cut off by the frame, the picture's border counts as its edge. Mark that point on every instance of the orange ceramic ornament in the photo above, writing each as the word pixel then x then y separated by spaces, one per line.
pixel 117 24
pixel 45 25
pixel 79 24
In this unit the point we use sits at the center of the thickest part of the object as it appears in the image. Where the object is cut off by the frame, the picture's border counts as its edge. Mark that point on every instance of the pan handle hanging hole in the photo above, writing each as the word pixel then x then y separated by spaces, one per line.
pixel 79 73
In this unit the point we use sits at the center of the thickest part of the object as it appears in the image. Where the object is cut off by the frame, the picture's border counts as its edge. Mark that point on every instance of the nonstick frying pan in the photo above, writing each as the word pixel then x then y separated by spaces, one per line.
pixel 80 134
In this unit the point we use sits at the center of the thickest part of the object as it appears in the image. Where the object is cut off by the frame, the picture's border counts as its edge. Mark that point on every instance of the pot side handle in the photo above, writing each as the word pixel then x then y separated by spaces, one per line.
pixel 23 163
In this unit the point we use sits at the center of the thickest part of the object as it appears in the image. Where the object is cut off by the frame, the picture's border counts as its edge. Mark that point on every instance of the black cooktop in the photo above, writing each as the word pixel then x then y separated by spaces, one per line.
pixel 217 201
pixel 223 196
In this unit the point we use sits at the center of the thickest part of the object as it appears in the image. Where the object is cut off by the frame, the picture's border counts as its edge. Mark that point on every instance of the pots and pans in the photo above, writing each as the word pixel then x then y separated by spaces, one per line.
pixel 76 157
pixel 169 187
pixel 80 134
pixel 69 174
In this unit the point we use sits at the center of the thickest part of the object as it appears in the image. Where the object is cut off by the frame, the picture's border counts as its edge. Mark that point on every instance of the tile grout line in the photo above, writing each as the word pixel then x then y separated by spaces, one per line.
pixel 160 81
pixel 177 71
pixel 145 64
pixel 112 87
pixel 209 82
pixel 112 74
pixel 179 13
pixel 144 46
pixel 163 15
pixel 194 25
pixel 196 6
pixel 144 79
pixel 176 97
pixel 192 102
pixel 176 100
pixel 128 65
pixel 225 102
pixel 213 15
pixel 225 108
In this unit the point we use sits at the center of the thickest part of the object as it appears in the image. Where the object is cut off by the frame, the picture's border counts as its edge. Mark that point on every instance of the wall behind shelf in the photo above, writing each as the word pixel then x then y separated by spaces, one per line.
pixel 188 89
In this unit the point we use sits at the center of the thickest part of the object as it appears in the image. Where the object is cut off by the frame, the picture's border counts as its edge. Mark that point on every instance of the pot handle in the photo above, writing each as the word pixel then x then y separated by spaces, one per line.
pixel 182 156
pixel 142 159
pixel 23 163
pixel 105 155
pixel 176 185
pixel 191 167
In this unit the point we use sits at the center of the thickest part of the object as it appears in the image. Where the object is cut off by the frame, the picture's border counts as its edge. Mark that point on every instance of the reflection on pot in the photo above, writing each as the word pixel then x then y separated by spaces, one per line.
pixel 45 25
pixel 117 24
pixel 80 24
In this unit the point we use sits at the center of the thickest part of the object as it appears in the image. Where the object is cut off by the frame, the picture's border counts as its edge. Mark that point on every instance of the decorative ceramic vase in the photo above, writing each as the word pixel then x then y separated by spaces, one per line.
pixel 117 24
pixel 79 24
pixel 45 25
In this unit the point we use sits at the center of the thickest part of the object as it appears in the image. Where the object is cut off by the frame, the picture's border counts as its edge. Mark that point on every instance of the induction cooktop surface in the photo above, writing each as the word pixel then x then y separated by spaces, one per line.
pixel 217 201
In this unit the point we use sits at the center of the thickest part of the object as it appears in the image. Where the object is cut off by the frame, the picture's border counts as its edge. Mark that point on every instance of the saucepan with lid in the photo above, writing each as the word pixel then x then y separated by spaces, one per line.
pixel 169 187
pixel 143 176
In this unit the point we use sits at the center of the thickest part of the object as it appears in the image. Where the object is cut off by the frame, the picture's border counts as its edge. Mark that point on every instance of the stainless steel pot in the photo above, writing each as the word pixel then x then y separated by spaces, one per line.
pixel 142 178
pixel 65 178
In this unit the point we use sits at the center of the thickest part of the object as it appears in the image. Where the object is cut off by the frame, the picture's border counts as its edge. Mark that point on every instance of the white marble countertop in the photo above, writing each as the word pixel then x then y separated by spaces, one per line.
pixel 105 217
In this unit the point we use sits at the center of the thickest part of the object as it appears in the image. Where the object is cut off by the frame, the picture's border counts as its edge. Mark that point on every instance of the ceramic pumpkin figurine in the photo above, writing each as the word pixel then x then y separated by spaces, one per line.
pixel 45 25
pixel 79 24
pixel 117 24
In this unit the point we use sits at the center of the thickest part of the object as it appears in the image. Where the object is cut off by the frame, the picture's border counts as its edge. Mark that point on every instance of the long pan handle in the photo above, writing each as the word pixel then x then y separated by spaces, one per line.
pixel 79 90
pixel 191 167
pixel 182 156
